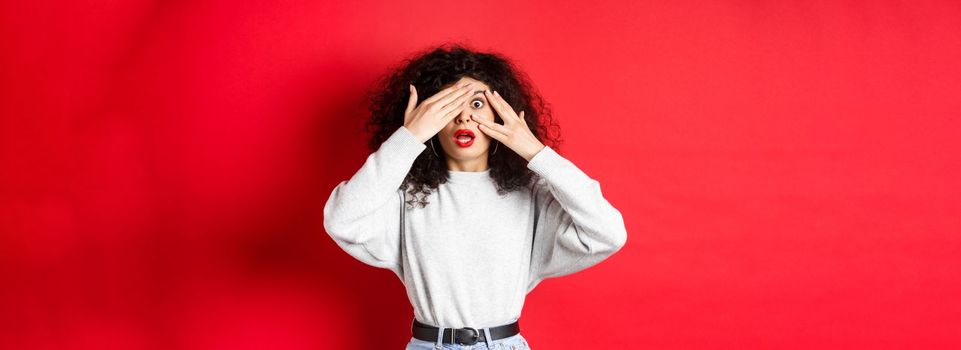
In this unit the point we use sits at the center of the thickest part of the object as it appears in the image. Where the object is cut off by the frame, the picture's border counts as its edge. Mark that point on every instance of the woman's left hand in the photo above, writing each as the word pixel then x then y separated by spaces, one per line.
pixel 514 133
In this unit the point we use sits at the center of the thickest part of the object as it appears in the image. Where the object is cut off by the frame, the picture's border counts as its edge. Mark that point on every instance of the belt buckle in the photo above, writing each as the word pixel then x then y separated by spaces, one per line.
pixel 473 337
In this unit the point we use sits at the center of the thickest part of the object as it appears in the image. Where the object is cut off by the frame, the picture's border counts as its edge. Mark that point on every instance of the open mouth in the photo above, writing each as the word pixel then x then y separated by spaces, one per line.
pixel 463 137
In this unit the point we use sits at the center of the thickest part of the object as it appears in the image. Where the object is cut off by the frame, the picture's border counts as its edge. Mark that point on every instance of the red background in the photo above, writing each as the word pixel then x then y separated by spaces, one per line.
pixel 788 171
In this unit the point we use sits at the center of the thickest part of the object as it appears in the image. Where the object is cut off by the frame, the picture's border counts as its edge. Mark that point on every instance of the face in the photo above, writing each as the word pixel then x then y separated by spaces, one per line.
pixel 478 105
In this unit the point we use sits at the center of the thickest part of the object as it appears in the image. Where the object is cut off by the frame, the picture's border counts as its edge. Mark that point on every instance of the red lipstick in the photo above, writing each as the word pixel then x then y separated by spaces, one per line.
pixel 463 138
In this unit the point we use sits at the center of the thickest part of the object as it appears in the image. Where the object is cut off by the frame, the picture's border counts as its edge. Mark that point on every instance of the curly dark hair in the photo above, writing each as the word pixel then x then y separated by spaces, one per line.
pixel 431 69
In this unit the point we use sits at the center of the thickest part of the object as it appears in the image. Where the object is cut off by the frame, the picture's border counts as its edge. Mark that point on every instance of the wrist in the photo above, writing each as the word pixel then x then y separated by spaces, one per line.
pixel 534 150
pixel 416 134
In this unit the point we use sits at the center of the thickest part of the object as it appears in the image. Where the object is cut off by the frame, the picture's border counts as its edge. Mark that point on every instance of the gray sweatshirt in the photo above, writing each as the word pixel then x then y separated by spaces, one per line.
pixel 469 258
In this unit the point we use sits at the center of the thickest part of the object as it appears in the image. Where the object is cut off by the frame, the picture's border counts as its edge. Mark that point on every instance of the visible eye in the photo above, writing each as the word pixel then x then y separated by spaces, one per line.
pixel 477 104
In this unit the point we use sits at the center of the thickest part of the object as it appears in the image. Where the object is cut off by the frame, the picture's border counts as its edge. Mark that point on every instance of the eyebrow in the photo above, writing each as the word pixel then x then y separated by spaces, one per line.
pixel 478 92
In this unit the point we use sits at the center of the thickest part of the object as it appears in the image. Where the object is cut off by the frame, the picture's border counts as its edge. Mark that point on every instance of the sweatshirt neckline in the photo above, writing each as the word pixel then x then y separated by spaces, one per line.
pixel 468 176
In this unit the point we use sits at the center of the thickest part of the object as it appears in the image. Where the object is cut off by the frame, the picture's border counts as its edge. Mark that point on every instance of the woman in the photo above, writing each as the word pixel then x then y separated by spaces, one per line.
pixel 475 222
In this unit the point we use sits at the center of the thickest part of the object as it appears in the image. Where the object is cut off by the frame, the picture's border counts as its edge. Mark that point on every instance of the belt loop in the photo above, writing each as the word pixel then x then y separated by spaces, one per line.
pixel 440 338
pixel 487 337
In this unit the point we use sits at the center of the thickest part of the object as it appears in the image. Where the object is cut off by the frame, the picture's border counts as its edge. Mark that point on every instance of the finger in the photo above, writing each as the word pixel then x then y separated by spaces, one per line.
pixel 492 133
pixel 452 111
pixel 443 93
pixel 521 116
pixel 457 104
pixel 501 107
pixel 490 127
pixel 506 106
pixel 412 102
pixel 448 100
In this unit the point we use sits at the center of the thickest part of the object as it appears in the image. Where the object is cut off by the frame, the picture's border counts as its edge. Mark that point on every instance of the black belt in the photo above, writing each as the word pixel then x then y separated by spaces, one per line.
pixel 466 335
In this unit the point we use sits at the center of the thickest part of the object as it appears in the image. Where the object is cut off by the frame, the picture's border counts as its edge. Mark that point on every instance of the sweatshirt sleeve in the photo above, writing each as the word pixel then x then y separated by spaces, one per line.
pixel 363 213
pixel 575 227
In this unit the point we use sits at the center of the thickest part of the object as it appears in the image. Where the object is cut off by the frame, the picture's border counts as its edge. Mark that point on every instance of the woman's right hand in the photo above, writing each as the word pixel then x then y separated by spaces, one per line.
pixel 428 118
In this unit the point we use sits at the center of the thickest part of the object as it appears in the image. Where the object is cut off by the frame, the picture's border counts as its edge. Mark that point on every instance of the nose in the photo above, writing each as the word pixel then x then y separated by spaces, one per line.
pixel 464 116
